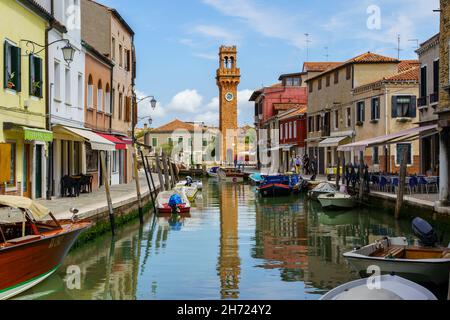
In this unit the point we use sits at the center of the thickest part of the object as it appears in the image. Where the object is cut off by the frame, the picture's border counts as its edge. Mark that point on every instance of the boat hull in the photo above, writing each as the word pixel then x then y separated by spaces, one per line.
pixel 274 190
pixel 336 203
pixel 24 266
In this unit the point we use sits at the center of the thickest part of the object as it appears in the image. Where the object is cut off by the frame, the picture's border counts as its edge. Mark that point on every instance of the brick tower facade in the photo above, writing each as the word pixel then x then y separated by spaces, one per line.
pixel 228 78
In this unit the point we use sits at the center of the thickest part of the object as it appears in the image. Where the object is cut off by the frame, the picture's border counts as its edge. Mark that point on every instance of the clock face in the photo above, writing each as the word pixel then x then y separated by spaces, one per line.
pixel 229 96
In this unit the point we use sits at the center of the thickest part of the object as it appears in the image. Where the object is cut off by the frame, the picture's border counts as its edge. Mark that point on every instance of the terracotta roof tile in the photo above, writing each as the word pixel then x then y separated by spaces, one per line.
pixel 299 111
pixel 408 64
pixel 409 75
pixel 286 106
pixel 319 66
pixel 173 126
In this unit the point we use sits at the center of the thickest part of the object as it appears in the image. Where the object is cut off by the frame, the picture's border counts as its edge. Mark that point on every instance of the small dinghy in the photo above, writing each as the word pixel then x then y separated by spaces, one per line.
pixel 389 287
pixel 426 263
pixel 230 175
pixel 212 172
pixel 190 192
pixel 321 189
pixel 189 182
pixel 275 186
pixel 336 200
pixel 256 178
pixel 163 202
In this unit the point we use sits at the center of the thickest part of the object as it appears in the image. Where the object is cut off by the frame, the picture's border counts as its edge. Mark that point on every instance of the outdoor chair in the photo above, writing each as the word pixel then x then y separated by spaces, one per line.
pixel 413 184
pixel 375 182
pixel 395 183
pixel 384 184
pixel 429 184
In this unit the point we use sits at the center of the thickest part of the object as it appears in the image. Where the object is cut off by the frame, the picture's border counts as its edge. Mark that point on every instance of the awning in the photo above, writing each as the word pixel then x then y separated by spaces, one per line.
pixel 125 140
pixel 332 142
pixel 31 134
pixel 97 142
pixel 120 145
pixel 287 147
pixel 401 136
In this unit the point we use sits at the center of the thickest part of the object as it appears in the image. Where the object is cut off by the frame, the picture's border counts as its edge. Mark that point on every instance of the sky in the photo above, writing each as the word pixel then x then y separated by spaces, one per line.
pixel 177 44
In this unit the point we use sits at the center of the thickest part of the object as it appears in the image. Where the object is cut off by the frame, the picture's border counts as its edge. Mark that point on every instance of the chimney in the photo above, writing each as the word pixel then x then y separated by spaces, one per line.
pixel 145 126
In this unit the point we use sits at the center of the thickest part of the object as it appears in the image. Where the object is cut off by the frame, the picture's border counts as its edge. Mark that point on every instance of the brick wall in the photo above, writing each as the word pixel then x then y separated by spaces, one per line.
pixel 444 96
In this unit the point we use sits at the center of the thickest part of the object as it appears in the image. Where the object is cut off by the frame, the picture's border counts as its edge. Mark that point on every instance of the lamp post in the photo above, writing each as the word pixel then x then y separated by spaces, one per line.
pixel 35 48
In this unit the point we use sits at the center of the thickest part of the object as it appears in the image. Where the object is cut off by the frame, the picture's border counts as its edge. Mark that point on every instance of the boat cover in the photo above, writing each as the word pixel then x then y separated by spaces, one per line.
pixel 37 210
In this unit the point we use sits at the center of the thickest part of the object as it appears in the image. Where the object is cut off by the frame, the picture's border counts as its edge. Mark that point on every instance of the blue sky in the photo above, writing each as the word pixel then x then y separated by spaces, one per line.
pixel 177 43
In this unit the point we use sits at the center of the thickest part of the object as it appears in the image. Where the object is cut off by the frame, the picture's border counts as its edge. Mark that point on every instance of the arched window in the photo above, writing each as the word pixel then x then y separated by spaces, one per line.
pixel 100 96
pixel 107 99
pixel 120 103
pixel 232 63
pixel 225 62
pixel 90 92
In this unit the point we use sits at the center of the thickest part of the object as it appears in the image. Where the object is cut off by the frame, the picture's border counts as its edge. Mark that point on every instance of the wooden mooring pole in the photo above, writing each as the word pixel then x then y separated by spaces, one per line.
pixel 166 171
pixel 361 175
pixel 107 190
pixel 172 174
pixel 402 183
pixel 147 173
pixel 138 187
pixel 343 169
pixel 159 171
pixel 155 190
pixel 338 172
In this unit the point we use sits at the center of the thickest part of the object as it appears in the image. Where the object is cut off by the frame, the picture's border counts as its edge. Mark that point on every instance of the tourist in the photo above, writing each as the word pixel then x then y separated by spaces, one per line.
pixel 298 165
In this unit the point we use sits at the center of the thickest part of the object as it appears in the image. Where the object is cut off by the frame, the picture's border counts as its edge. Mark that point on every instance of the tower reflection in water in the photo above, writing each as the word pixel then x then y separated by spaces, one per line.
pixel 229 265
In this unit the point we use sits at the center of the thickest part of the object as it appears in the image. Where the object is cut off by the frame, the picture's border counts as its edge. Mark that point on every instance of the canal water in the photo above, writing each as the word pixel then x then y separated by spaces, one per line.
pixel 234 245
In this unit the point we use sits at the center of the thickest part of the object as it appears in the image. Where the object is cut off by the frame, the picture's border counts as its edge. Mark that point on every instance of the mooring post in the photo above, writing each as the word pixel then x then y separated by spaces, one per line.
pixel 172 174
pixel 155 191
pixel 402 182
pixel 343 169
pixel 166 171
pixel 159 171
pixel 107 190
pixel 361 175
pixel 338 172
pixel 146 176
pixel 138 186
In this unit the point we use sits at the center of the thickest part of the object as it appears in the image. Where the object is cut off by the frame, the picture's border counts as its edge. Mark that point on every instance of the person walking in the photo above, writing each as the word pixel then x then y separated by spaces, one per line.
pixel 298 165
pixel 306 164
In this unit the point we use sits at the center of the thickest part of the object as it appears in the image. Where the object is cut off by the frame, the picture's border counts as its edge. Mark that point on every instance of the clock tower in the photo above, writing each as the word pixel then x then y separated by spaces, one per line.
pixel 228 78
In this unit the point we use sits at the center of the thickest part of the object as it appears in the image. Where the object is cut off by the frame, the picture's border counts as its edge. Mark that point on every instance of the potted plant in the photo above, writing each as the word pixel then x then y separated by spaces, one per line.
pixel 35 88
pixel 10 83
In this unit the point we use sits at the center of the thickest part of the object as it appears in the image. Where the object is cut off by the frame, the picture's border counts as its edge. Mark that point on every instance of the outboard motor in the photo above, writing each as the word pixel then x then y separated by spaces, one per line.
pixel 174 202
pixel 425 232
pixel 189 181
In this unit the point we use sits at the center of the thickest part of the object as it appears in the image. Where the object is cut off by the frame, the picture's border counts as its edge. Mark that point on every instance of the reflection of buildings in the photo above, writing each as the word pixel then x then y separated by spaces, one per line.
pixel 229 266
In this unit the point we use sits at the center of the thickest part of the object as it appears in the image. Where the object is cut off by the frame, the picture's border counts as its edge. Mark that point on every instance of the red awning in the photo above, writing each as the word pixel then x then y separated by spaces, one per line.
pixel 125 140
pixel 120 145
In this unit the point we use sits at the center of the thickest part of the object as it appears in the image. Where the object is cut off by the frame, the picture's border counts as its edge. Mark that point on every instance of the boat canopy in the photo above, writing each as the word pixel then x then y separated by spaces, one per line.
pixel 37 210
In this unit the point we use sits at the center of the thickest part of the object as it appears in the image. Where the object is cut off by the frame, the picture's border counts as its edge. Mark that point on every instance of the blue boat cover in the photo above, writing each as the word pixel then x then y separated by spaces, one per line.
pixel 175 200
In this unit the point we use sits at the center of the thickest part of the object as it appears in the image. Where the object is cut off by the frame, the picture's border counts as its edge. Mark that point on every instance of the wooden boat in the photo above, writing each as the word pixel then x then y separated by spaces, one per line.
pixel 275 186
pixel 336 200
pixel 212 172
pixel 230 175
pixel 320 189
pixel 162 202
pixel 388 287
pixel 31 248
pixel 191 192
pixel 394 256
pixel 256 178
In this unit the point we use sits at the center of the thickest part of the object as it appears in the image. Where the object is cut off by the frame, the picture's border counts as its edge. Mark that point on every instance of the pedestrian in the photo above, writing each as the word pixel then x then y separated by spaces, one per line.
pixel 298 165
pixel 367 178
pixel 235 161
pixel 353 177
pixel 306 164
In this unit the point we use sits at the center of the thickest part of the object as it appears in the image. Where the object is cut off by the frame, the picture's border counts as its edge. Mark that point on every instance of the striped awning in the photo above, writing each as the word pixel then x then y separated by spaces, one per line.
pixel 97 142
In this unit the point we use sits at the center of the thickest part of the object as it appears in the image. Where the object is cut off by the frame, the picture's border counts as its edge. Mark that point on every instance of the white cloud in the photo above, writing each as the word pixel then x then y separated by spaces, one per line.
pixel 188 101
pixel 207 56
pixel 216 33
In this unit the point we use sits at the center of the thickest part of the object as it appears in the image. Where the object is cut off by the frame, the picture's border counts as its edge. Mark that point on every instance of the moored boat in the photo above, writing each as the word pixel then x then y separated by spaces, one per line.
pixel 212 172
pixel 31 248
pixel 230 175
pixel 275 186
pixel 163 199
pixel 387 287
pixel 256 178
pixel 320 189
pixel 191 192
pixel 336 200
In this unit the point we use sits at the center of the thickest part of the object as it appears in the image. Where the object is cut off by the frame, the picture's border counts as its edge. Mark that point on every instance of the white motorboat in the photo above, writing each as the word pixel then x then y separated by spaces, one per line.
pixel 197 184
pixel 387 287
pixel 162 202
pixel 395 256
pixel 212 172
pixel 336 200
pixel 322 188
pixel 230 175
pixel 190 192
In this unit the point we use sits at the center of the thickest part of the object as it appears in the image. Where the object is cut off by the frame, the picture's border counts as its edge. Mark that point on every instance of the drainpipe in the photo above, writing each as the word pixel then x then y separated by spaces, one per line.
pixel 49 118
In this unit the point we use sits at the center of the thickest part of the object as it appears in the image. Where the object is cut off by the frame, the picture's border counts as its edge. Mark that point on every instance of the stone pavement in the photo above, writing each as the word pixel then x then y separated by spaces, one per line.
pixel 89 205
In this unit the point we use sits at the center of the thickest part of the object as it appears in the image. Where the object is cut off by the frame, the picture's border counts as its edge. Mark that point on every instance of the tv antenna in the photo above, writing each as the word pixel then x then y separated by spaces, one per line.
pixel 307 45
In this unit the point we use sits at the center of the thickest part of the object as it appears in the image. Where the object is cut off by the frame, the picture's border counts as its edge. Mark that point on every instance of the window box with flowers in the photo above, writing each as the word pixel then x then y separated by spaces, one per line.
pixel 12 67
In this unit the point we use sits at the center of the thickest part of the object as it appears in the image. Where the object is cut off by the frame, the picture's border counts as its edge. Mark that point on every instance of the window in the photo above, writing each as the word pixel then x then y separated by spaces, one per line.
pixel 349 117
pixel 286 131
pixel 281 132
pixel 12 67
pixel 360 112
pixel 128 60
pixel 57 77
pixel 375 113
pixel 113 102
pixel 289 82
pixel 113 48
pixel 290 130
pixel 80 91
pixel 205 142
pixel 170 141
pixel 319 84
pixel 100 96
pixel 336 119
pixel 107 99
pixel 348 72
pixel 115 167
pixel 376 155
pixel 91 159
pixel 404 106
pixel 310 84
pixel 35 81
pixel 423 82
pixel 400 147
pixel 68 87
pixel 154 142
pixel 120 105
pixel 328 80
pixel 296 82
pixel 180 141
pixel 318 124
pixel 127 114
pixel 90 93
pixel 310 124
pixel 436 76
pixel 120 56
pixel 295 129
pixel 336 77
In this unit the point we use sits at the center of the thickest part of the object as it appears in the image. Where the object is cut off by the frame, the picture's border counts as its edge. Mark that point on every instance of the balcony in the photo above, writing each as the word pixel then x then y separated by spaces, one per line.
pixel 422 102
pixel 434 97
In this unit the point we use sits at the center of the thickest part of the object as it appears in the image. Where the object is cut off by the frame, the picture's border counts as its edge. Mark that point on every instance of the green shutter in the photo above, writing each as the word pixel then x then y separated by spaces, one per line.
pixel 413 107
pixel 17 55
pixel 31 75
pixel 5 64
pixel 394 106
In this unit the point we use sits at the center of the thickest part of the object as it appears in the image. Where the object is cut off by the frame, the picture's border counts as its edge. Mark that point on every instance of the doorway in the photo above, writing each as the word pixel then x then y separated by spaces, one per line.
pixel 26 187
pixel 38 173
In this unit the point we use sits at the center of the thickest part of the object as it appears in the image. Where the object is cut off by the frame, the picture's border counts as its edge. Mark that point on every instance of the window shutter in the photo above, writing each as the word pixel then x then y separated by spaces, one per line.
pixel 394 106
pixel 32 76
pixel 413 107
pixel 5 64
pixel 363 107
pixel 40 78
pixel 18 56
pixel 5 162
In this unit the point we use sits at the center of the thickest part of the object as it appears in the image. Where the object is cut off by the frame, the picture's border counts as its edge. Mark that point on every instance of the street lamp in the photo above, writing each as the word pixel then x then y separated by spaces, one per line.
pixel 68 50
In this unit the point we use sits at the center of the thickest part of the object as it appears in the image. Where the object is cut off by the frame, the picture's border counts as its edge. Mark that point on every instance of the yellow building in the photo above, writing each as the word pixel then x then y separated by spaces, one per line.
pixel 23 138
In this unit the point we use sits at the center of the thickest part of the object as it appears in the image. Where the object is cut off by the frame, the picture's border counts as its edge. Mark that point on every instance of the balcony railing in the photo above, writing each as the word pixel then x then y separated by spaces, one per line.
pixel 422 102
pixel 434 97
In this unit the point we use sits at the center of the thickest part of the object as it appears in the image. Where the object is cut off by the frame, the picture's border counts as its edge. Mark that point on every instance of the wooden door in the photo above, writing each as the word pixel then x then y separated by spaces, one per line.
pixel 26 180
